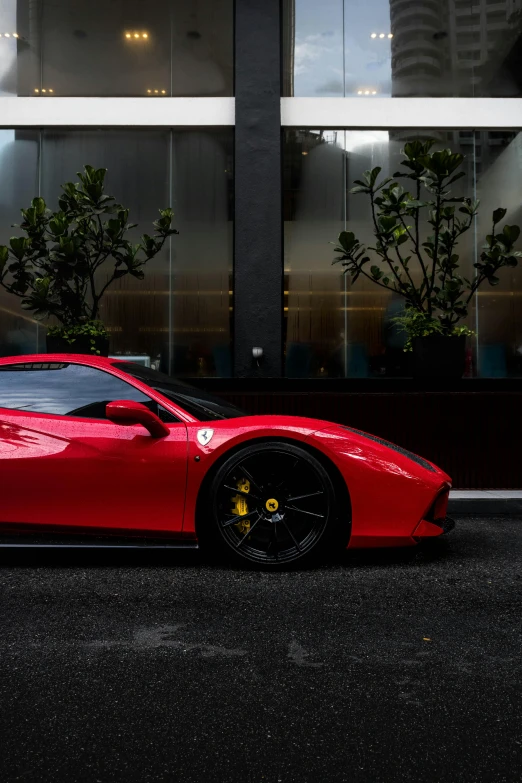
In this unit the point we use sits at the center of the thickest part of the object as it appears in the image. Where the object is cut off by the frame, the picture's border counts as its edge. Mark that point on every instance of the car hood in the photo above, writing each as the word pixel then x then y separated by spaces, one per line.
pixel 346 440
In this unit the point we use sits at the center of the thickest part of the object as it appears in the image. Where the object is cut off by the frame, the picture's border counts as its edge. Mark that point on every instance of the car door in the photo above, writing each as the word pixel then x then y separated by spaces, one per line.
pixel 63 464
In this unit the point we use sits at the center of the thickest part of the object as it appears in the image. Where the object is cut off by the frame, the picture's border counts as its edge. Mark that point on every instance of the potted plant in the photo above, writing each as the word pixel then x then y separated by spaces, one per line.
pixel 426 273
pixel 55 268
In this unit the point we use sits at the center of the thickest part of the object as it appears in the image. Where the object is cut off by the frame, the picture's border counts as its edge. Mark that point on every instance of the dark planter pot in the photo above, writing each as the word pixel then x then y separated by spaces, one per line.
pixel 437 356
pixel 82 344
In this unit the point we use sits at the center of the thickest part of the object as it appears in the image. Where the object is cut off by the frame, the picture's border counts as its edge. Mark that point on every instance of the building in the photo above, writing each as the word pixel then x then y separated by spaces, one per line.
pixel 251 118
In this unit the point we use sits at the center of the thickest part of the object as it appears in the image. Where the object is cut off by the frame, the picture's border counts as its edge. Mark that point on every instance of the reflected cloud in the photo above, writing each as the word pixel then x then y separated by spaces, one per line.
pixel 310 49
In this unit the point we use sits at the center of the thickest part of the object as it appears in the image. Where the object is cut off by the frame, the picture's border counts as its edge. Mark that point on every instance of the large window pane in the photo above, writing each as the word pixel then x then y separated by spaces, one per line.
pixel 313 48
pixel 202 177
pixel 498 160
pixel 336 329
pixel 178 318
pixel 116 48
pixel 402 48
pixel 136 312
pixel 19 167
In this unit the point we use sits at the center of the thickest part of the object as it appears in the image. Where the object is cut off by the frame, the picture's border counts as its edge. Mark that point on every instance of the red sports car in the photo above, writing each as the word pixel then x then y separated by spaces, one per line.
pixel 109 452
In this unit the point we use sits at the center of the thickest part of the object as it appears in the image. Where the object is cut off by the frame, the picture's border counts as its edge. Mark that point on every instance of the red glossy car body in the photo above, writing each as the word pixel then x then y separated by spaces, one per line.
pixel 97 476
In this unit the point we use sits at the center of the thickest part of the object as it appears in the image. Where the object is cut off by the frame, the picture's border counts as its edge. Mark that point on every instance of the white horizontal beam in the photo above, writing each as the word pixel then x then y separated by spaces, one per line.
pixel 384 113
pixel 115 112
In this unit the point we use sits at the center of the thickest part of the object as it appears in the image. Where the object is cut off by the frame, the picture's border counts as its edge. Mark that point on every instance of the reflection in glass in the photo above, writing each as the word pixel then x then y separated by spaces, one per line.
pixel 63 390
pixel 19 166
pixel 336 329
pixel 177 318
pixel 138 176
pixel 116 48
pixel 402 48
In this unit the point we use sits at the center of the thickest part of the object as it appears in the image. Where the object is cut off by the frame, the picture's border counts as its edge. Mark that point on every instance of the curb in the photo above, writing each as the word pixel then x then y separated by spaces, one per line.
pixel 487 502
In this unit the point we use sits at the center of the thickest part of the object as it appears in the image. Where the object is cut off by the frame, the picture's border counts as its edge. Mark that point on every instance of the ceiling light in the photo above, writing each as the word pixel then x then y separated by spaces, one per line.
pixel 144 35
pixel 163 92
pixel 156 91
pixel 127 35
pixel 367 92
pixel 44 90
pixel 390 35
pixel 374 92
pixel 149 91
pixel 7 35
pixel 381 35
pixel 15 35
pixel 373 35
pixel 304 153
pixel 36 89
pixel 136 35
pixel 51 90
pixel 359 92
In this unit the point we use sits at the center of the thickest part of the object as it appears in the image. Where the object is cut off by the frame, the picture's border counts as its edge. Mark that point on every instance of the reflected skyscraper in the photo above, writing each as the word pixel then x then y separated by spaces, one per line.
pixel 418 48
pixel 455 48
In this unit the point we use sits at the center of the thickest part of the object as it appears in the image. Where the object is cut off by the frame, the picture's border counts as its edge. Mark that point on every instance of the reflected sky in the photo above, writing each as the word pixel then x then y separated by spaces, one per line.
pixel 62 390
pixel 368 48
pixel 321 67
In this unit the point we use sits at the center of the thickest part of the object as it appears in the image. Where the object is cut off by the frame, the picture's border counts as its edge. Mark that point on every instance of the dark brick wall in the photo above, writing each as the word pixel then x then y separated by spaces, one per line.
pixel 475 436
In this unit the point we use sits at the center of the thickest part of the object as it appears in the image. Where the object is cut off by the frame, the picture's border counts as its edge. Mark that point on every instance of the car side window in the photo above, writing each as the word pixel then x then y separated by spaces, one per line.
pixel 66 389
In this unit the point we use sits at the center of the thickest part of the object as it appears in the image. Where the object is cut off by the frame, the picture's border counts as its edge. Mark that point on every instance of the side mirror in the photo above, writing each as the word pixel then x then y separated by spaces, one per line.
pixel 127 412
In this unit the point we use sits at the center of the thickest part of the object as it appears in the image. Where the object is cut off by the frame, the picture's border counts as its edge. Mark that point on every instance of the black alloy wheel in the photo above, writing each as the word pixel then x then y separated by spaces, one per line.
pixel 272 504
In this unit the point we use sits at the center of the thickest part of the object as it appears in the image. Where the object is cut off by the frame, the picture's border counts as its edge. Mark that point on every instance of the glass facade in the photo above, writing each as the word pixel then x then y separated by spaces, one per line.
pixel 157 48
pixel 178 318
pixel 402 48
pixel 336 329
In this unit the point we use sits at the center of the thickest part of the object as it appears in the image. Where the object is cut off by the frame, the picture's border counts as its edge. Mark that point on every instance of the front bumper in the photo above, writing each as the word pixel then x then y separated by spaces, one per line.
pixel 432 529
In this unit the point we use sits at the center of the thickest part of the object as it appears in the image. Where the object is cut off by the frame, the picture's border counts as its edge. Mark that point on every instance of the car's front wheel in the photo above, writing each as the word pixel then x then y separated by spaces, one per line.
pixel 272 504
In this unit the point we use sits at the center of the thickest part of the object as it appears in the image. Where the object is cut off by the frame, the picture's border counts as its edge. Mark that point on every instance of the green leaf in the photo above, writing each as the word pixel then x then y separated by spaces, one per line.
pixel 499 215
pixel 456 177
pixel 347 240
pixel 4 255
pixel 387 223
pixel 18 246
pixel 511 233
pixel 38 205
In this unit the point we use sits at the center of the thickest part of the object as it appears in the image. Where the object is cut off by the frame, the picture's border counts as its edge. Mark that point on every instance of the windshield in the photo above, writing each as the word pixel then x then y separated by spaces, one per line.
pixel 203 406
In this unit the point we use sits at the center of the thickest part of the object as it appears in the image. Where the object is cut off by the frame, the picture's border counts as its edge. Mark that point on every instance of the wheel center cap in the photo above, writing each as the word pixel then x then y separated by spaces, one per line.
pixel 272 505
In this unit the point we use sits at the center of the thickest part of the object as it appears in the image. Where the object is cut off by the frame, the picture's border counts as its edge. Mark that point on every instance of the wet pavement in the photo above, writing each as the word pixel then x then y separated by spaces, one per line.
pixel 376 666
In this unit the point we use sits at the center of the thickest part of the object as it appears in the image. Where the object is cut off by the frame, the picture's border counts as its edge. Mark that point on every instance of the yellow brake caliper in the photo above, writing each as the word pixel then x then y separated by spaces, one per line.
pixel 240 506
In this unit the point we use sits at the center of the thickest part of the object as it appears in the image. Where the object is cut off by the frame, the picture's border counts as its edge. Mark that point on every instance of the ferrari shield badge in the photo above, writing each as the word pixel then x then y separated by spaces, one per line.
pixel 205 436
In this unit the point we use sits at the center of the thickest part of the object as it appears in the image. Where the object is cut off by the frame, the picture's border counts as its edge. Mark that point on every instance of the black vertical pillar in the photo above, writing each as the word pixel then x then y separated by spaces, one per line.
pixel 258 270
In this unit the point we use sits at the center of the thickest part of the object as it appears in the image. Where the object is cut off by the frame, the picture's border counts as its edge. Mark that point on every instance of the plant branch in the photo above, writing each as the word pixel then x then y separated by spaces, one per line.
pixel 435 245
pixel 385 252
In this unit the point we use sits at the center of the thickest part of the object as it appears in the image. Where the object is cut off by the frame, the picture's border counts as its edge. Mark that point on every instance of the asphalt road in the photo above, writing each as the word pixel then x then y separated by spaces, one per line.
pixel 378 667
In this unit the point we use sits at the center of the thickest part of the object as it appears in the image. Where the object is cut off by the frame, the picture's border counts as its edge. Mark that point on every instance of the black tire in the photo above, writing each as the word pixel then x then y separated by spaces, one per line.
pixel 251 513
